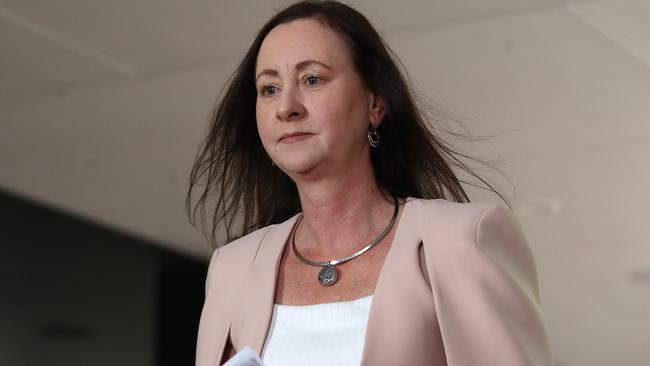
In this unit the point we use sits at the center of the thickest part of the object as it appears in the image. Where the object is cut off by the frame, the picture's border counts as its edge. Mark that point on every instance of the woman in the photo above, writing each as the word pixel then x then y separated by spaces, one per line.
pixel 359 245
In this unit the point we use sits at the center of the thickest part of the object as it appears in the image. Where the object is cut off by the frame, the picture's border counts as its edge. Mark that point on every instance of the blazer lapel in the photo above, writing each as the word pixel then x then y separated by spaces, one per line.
pixel 257 305
pixel 382 300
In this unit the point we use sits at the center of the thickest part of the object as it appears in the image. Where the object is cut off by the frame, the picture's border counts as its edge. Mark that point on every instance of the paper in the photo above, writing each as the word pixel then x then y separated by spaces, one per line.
pixel 245 357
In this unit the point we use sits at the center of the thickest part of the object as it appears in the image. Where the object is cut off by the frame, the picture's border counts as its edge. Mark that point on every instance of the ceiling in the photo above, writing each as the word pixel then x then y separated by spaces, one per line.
pixel 103 105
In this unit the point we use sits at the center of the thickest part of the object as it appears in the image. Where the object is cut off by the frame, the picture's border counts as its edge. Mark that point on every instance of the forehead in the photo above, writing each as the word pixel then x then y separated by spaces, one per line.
pixel 299 40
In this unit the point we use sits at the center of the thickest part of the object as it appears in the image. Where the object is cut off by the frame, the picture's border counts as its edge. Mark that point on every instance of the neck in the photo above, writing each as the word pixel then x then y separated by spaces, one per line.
pixel 341 215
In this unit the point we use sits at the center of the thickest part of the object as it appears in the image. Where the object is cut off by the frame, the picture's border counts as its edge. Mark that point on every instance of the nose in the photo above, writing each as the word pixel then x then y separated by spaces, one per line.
pixel 290 107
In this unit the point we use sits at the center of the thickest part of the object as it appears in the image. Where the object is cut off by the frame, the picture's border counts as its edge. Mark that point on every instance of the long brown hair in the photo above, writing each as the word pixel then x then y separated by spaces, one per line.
pixel 236 176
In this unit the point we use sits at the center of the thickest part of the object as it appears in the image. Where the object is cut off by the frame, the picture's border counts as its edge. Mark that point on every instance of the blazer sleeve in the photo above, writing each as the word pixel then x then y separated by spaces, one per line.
pixel 214 324
pixel 229 266
pixel 489 309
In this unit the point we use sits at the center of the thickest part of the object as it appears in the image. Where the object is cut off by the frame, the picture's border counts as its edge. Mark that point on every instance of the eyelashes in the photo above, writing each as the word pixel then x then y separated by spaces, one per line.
pixel 264 91
pixel 310 81
pixel 317 78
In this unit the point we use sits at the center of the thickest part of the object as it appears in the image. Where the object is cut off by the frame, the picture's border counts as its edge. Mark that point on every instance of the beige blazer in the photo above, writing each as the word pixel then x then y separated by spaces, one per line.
pixel 458 287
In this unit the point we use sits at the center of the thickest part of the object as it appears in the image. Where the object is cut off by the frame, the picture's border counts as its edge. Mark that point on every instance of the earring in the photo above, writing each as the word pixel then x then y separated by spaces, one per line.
pixel 373 135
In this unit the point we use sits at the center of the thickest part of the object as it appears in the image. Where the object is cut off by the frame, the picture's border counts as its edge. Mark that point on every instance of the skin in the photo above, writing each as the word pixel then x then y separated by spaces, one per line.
pixel 306 82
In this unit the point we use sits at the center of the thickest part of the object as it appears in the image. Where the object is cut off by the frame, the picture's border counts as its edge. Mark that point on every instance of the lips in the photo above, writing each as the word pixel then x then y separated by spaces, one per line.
pixel 294 136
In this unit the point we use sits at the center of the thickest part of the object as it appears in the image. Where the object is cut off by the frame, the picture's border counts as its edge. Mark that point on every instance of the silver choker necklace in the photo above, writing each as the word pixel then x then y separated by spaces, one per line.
pixel 329 274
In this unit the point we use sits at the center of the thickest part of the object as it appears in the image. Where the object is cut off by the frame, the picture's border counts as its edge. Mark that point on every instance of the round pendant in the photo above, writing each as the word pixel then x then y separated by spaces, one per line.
pixel 327 276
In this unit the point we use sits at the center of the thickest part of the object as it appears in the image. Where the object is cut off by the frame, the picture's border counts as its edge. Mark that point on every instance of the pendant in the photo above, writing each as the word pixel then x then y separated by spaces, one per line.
pixel 327 276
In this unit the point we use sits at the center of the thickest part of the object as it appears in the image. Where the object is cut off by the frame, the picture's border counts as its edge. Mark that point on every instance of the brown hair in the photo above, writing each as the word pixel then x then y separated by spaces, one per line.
pixel 232 164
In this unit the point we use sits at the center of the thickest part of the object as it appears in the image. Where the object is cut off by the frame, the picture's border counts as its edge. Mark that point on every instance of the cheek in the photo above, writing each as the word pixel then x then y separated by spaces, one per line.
pixel 263 126
pixel 349 119
pixel 261 117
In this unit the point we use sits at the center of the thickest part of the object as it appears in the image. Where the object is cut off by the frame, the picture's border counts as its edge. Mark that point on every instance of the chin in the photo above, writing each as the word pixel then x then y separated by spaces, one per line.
pixel 298 165
pixel 298 169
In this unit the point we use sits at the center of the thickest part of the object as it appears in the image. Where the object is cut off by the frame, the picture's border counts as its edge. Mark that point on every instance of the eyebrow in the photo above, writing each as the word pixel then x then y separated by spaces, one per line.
pixel 299 66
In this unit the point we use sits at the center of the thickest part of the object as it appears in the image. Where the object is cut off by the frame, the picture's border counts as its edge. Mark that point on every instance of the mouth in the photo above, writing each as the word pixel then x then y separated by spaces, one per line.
pixel 288 138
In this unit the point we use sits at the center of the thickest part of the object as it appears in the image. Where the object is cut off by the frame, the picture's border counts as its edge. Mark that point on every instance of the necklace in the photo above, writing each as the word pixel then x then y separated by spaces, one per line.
pixel 329 274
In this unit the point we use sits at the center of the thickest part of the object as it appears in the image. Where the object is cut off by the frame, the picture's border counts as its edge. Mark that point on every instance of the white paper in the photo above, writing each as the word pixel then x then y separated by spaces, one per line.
pixel 245 357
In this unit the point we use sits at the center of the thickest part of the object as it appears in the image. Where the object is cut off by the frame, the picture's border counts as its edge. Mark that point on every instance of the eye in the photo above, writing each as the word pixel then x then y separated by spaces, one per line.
pixel 269 90
pixel 313 80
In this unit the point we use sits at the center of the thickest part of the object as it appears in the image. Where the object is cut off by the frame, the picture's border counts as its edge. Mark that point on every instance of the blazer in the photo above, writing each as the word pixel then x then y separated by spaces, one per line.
pixel 458 287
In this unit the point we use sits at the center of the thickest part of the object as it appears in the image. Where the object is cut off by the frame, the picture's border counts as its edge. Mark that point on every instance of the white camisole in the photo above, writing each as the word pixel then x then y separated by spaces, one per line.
pixel 317 335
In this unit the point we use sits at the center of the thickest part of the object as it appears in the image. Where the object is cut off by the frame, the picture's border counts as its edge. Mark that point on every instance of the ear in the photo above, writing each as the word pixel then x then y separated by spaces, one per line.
pixel 378 108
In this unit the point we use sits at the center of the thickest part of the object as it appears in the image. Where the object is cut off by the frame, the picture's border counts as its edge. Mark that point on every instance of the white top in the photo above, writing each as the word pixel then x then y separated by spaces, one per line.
pixel 317 335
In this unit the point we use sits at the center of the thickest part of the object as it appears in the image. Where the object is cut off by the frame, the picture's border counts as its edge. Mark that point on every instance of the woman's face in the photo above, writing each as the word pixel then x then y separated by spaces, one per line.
pixel 312 107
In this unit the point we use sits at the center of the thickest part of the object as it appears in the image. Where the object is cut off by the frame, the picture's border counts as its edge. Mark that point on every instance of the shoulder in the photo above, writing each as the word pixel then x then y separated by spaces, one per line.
pixel 466 220
pixel 244 246
pixel 443 206
pixel 469 233
pixel 228 260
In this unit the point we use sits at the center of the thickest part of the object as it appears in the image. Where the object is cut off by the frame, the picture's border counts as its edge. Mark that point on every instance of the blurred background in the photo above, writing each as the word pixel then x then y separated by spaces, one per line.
pixel 103 105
